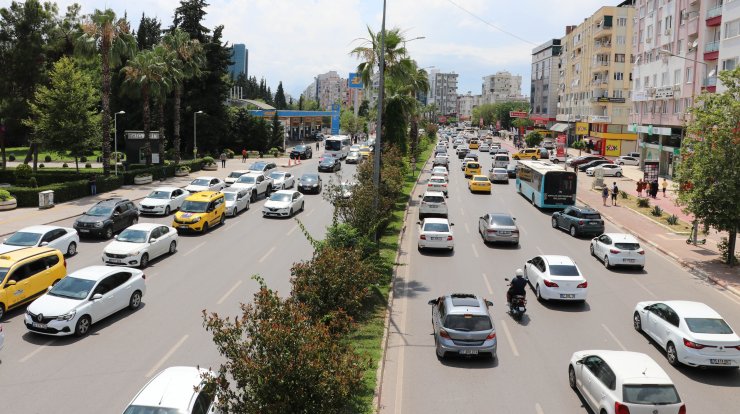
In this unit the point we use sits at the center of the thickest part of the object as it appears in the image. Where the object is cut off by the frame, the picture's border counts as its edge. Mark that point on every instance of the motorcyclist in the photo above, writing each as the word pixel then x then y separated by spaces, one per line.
pixel 517 285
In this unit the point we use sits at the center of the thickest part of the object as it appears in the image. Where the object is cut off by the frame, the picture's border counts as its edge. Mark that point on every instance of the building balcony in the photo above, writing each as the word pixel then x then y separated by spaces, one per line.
pixel 714 16
pixel 709 84
pixel 711 50
pixel 602 45
pixel 602 31
pixel 693 26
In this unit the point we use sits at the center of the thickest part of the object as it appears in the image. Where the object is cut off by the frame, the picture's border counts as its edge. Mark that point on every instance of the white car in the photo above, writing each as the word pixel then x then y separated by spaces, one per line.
pixel 556 277
pixel 441 159
pixel 440 170
pixel 283 203
pixel 237 199
pixel 436 233
pixel 353 157
pixel 627 160
pixel 621 382
pixel 618 249
pixel 263 167
pixel 438 183
pixel 175 390
pixel 610 170
pixel 691 333
pixel 498 175
pixel 83 298
pixel 484 148
pixel 282 180
pixel 139 244
pixel 163 200
pixel 432 204
pixel 64 239
pixel 205 184
pixel 234 175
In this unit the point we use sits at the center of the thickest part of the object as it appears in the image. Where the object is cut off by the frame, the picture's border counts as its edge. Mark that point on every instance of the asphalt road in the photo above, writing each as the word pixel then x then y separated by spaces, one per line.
pixel 530 374
pixel 102 372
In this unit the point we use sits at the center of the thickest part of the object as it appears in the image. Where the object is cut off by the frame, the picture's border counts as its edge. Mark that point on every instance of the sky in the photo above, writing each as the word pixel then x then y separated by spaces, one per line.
pixel 294 40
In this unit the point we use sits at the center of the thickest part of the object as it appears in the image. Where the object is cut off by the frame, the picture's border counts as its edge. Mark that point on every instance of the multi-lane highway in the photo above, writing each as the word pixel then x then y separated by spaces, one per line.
pixel 530 374
pixel 100 373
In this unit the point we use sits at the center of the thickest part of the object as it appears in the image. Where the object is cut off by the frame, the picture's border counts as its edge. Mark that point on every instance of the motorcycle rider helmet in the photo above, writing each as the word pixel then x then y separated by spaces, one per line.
pixel 519 273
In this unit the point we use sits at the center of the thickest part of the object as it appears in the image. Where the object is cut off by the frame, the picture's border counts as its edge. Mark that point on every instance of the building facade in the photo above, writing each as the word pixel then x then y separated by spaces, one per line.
pixel 501 87
pixel 327 89
pixel 543 97
pixel 465 105
pixel 240 60
pixel 443 92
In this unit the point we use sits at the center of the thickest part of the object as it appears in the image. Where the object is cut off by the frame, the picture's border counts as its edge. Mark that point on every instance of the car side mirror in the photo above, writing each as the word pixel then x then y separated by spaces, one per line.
pixel 97 296
pixel 115 237
pixel 506 279
pixel 152 240
pixel 173 197
pixel 647 308
pixel 489 303
pixel 452 224
pixel 419 195
pixel 44 243
pixel 10 283
pixel 579 362
pixel 418 222
pixel 529 261
pixel 513 218
pixel 433 302
pixel 116 214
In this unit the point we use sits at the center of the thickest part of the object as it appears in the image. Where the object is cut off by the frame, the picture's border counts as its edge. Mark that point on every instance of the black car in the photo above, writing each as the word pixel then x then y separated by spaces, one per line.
pixel 578 220
pixel 594 163
pixel 511 169
pixel 303 151
pixel 330 164
pixel 310 183
pixel 107 217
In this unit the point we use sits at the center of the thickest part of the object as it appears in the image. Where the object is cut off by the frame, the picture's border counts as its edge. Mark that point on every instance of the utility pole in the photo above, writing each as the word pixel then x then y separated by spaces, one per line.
pixel 379 126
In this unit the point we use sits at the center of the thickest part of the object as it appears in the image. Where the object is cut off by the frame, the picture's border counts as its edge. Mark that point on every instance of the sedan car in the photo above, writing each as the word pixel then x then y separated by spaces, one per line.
pixel 578 220
pixel 438 183
pixel 484 148
pixel 237 199
pixel 498 227
pixel 176 390
pixel 618 249
pixel 556 277
pixel 691 333
pixel 301 151
pixel 441 160
pixel 234 175
pixel 353 157
pixel 436 233
pixel 610 170
pixel 205 184
pixel 627 160
pixel 139 244
pixel 583 159
pixel 310 183
pixel 329 164
pixel 283 203
pixel 593 163
pixel 64 239
pixel 163 200
pixel 496 175
pixel 440 171
pixel 83 298
pixel 621 382
pixel 463 326
pixel 479 184
pixel 282 180
pixel 511 169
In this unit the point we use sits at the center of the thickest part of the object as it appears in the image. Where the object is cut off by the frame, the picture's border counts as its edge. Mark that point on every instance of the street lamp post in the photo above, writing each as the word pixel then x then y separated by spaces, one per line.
pixel 115 137
pixel 195 134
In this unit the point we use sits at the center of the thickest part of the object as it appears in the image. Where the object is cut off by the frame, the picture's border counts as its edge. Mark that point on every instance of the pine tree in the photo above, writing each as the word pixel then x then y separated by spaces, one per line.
pixel 280 102
pixel 149 33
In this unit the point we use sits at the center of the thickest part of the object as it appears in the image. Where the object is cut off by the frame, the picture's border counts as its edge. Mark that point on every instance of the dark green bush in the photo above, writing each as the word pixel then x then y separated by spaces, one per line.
pixel 83 159
pixel 656 211
pixel 643 202
pixel 11 157
pixel 47 158
pixel 88 165
pixel 28 197
pixel 32 182
pixel 23 172
pixel 41 166
pixel 65 165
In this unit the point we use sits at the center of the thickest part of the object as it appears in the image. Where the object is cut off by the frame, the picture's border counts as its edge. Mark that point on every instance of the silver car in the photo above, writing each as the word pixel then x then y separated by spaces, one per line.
pixel 463 326
pixel 498 175
pixel 498 227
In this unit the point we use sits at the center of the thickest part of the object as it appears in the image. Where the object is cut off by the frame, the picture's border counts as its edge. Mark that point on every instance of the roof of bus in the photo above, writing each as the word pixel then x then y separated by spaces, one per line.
pixel 542 166
pixel 338 137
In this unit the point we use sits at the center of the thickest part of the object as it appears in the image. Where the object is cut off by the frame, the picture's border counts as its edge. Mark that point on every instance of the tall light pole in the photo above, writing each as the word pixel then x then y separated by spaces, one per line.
pixel 379 126
pixel 115 136
pixel 195 134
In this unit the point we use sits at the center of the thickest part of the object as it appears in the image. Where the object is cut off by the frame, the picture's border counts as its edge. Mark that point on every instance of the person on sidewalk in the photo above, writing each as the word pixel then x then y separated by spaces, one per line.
pixel 93 184
pixel 244 155
pixel 639 187
pixel 664 185
pixel 615 191
pixel 604 193
pixel 654 189
pixel 317 145
pixel 223 159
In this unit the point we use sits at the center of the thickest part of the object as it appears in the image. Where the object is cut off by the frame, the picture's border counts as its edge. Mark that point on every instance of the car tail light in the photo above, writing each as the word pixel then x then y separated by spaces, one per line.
pixel 682 410
pixel 550 284
pixel 444 334
pixel 65 263
pixel 580 221
pixel 583 285
pixel 491 231
pixel 614 251
pixel 621 409
pixel 641 252
pixel 449 238
pixel 444 185
pixel 491 335
pixel 693 345
pixel 738 347
pixel 423 237
pixel 429 185
pixel 143 276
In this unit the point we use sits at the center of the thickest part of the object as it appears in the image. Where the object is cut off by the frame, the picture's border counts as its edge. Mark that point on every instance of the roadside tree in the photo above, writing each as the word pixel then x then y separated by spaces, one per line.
pixel 533 139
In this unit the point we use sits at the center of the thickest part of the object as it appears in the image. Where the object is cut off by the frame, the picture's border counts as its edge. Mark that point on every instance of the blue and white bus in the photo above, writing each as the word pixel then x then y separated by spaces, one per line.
pixel 545 184
pixel 338 145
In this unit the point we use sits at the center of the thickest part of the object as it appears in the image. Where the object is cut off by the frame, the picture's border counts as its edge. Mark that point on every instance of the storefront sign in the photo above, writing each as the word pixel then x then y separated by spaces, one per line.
pixel 581 128
pixel 600 118
pixel 560 145
pixel 612 147
pixel 664 92
pixel 518 114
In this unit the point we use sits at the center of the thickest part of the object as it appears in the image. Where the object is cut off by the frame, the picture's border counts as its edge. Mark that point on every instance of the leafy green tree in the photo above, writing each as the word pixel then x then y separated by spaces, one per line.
pixel 708 172
pixel 281 360
pixel 280 102
pixel 64 115
pixel 533 139
pixel 110 39
pixel 522 123
pixel 276 133
pixel 579 145
pixel 364 108
pixel 149 33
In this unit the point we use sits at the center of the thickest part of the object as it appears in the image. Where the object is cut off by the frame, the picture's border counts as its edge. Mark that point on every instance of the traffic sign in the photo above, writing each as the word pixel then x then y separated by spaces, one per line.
pixel 518 114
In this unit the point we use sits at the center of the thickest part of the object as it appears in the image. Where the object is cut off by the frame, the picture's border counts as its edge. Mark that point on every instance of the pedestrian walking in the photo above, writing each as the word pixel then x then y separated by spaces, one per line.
pixel 244 155
pixel 317 145
pixel 223 159
pixel 654 189
pixel 639 187
pixel 93 184
pixel 604 194
pixel 615 191
pixel 664 185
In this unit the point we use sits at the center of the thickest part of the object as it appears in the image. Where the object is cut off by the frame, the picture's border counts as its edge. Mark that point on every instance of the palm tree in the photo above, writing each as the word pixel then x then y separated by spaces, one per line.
pixel 160 90
pixel 110 38
pixel 189 61
pixel 397 62
pixel 419 84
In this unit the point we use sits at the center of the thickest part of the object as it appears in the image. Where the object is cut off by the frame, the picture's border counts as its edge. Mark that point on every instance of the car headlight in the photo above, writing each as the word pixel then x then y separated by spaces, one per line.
pixel 136 253
pixel 197 219
pixel 67 316
pixel 314 185
pixel 99 224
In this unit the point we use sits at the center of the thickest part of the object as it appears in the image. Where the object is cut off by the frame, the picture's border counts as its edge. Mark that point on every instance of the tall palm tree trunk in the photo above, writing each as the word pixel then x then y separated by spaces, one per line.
pixel 147 121
pixel 161 131
pixel 176 126
pixel 105 98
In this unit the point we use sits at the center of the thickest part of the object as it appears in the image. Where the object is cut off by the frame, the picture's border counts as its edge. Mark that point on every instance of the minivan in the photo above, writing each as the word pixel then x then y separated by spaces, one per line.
pixel 26 274
pixel 501 161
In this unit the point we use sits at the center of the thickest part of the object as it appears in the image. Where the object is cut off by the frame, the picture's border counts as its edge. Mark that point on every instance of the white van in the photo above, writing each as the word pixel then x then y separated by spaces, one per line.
pixel 501 161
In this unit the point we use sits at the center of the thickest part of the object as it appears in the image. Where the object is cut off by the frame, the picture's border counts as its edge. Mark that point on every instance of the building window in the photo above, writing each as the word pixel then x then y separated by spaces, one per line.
pixel 618 75
pixel 621 40
pixel 618 93
pixel 688 75
pixel 682 17
pixel 621 21
pixel 655 79
pixel 676 106
pixel 732 28
pixel 650 32
pixel 664 107
pixel 637 84
pixel 647 81
pixel 619 57
pixel 677 77
pixel 668 23
pixel 679 46
pixel 729 64
pixel 664 79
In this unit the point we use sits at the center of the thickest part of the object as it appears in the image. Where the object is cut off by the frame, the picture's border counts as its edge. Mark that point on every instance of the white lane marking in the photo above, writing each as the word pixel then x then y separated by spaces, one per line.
pixel 614 337
pixel 538 408
pixel 310 212
pixel 292 230
pixel 226 295
pixel 540 250
pixel 462 211
pixel 467 229
pixel 488 284
pixel 269 252
pixel 197 246
pixel 36 351
pixel 727 295
pixel 509 338
pixel 645 288
pixel 166 356
pixel 475 251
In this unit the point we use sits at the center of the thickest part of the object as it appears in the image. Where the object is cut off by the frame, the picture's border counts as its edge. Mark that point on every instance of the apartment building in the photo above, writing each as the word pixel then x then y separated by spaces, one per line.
pixel 465 105
pixel 501 87
pixel 729 46
pixel 595 74
pixel 443 91
pixel 543 97
pixel 327 89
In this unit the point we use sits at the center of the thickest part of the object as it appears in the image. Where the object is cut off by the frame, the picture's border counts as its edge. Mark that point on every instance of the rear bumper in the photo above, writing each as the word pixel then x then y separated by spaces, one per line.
pixel 447 345
pixel 496 238
pixel 695 359
pixel 563 294
pixel 433 244
pixel 616 260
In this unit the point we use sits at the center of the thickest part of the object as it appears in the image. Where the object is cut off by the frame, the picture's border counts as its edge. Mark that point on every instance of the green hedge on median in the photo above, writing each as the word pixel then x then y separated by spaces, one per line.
pixel 71 190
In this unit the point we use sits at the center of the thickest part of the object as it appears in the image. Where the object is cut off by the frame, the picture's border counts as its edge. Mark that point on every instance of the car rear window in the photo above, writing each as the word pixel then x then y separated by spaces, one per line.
pixel 468 323
pixel 564 270
pixel 434 199
pixel 438 227
pixel 650 394
pixel 473 165
pixel 708 326
pixel 591 216
pixel 627 246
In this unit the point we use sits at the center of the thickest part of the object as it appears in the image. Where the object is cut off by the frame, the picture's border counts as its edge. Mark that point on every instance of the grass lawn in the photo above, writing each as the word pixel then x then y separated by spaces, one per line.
pixel 681 227
pixel 20 153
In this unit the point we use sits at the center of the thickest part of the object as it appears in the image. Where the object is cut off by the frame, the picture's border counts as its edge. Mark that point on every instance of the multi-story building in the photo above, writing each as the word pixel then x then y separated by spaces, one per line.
pixel 239 59
pixel 729 46
pixel 595 73
pixel 327 89
pixel 310 93
pixel 501 87
pixel 543 98
pixel 465 105
pixel 443 91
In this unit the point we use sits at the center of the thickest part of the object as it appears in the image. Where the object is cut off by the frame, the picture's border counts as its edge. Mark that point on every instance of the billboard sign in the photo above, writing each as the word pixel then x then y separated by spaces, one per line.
pixel 518 114
pixel 581 128
pixel 335 119
pixel 355 81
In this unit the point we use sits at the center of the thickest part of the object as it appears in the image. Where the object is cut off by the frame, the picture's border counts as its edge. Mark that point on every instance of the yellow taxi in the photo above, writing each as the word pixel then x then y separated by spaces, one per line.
pixel 472 168
pixel 473 144
pixel 26 273
pixel 365 152
pixel 479 183
pixel 201 211
pixel 528 153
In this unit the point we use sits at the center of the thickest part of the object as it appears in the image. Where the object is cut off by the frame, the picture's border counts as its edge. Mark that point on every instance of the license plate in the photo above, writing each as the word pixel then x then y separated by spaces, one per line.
pixel 629 260
pixel 432 206
pixel 468 352
pixel 720 361
pixel 437 238
pixel 84 231
pixel 115 260
pixel 184 227
pixel 567 296
pixel 504 233
pixel 39 325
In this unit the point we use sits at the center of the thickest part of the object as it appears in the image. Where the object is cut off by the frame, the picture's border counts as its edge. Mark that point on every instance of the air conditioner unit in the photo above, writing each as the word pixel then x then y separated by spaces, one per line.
pixel 684 14
pixel 668 31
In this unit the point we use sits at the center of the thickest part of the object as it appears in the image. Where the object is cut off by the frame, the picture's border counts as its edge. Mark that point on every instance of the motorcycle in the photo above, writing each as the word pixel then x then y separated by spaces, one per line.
pixel 517 306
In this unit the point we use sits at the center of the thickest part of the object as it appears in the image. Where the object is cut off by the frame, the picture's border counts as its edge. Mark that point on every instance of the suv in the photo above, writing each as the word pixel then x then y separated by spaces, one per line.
pixel 257 183
pixel 200 211
pixel 463 326
pixel 441 159
pixel 27 273
pixel 263 167
pixel 533 153
pixel 107 217
pixel 432 204
pixel 578 220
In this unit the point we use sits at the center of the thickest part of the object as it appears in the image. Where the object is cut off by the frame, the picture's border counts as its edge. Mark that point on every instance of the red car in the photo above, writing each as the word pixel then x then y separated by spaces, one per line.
pixel 574 162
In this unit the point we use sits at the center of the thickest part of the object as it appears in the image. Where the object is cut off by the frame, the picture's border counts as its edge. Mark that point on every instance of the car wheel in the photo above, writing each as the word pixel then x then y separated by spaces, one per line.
pixel 606 262
pixel 167 211
pixel 204 230
pixel 135 300
pixel 555 161
pixel 572 377
pixel 72 249
pixel 618 174
pixel 108 232
pixel 621 163
pixel 173 247
pixel 253 198
pixel 573 231
pixel 671 354
pixel 2 311
pixel 223 219
pixel 83 326
pixel 554 223
pixel 591 248
pixel 267 192
pixel 144 261
pixel 637 322
pixel 303 204
pixel 534 158
pixel 538 293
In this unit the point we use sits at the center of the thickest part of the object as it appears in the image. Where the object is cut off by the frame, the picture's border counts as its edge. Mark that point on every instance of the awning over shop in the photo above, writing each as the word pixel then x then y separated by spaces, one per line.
pixel 559 127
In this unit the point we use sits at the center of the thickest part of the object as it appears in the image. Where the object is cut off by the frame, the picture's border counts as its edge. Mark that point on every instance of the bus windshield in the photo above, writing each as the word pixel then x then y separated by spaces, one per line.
pixel 333 145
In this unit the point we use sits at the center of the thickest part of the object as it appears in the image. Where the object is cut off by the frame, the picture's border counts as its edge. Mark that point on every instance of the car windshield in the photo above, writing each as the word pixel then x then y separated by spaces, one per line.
pixel 564 270
pixel 72 288
pixel 23 238
pixel 499 171
pixel 333 145
pixel 309 177
pixel 100 211
pixel 246 179
pixel 468 323
pixel 133 236
pixel 257 166
pixel 354 154
pixel 236 174
pixel 438 227
pixel 437 180
pixel 140 409
pixel 627 246
pixel 280 197
pixel 299 148
pixel 277 175
pixel 479 178
pixel 194 206
pixel 230 196
pixel 708 326
pixel 649 394
pixel 502 221
pixel 201 181
pixel 473 165
pixel 434 199
pixel 160 195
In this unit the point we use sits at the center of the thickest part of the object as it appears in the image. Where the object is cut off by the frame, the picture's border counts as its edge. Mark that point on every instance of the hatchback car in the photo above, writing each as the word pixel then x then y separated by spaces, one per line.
pixel 283 203
pixel 463 326
pixel 618 249
pixel 329 164
pixel 498 175
pixel 435 233
pixel 432 204
pixel 691 333
pixel 282 180
pixel 163 200
pixel 578 220
pixel 237 199
pixel 176 390
pixel 205 184
pixel 64 239
pixel 556 277
pixel 610 170
pixel 479 184
pixel 353 157
pixel 107 217
pixel 472 168
pixel 83 298
pixel 139 244
pixel 438 183
pixel 310 183
pixel 627 160
pixel 498 227
pixel 621 382
pixel 200 212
